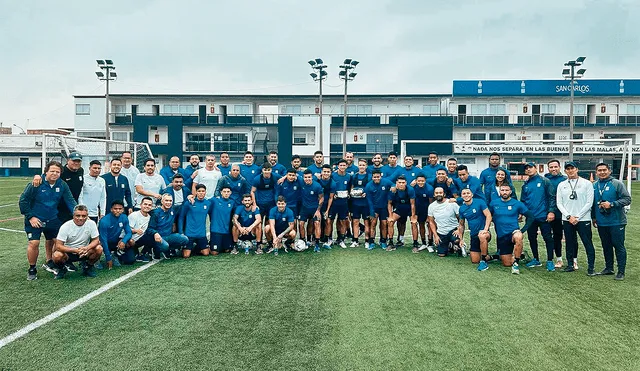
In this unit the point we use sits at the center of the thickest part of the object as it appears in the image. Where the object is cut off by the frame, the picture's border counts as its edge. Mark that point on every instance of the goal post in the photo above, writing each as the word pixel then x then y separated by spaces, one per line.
pixel 618 153
pixel 59 147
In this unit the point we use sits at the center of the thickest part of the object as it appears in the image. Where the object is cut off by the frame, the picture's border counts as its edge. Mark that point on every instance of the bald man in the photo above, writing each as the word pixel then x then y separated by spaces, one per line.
pixel 172 169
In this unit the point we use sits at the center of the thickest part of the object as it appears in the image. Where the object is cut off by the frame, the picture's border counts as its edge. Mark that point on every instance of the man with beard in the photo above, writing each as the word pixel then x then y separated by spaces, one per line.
pixel 318 162
pixel 424 197
pixel 192 167
pixel 476 212
pixel 149 183
pixel 94 193
pixel 115 233
pixel 329 189
pixel 376 160
pixel 442 181
pixel 161 229
pixel 351 167
pixel 431 168
pixel 169 171
pixel 340 207
pixel 377 191
pixel 239 185
pixel 443 222
pixel 409 172
pixel 77 240
pixel 247 224
pixel 310 210
pixel 281 230
pixel 225 166
pixel 556 177
pixel 506 212
pixel 117 185
pixel 276 168
pixel 296 161
pixel 131 172
pixel 248 169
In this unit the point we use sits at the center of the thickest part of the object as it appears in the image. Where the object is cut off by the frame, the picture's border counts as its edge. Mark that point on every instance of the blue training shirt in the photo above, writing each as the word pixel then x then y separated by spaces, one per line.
pixel 505 215
pixel 423 194
pixel 389 171
pixel 402 198
pixel 110 229
pixel 378 194
pixel 409 173
pixel 430 171
pixel 249 172
pixel 360 181
pixel 220 214
pixel 310 194
pixel 292 192
pixel 473 184
pixel 281 219
pixel 192 221
pixel 265 189
pixel 246 217
pixel 473 214
pixel 342 186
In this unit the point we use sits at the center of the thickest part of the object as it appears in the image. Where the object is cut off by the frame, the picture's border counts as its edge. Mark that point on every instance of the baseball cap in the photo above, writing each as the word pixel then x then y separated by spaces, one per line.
pixel 529 164
pixel 570 164
pixel 75 156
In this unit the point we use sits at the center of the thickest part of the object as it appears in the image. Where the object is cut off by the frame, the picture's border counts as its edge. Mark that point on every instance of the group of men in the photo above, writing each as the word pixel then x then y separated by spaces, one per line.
pixel 129 216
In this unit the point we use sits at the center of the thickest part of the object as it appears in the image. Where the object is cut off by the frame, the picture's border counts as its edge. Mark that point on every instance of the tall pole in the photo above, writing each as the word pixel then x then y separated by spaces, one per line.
pixel 106 119
pixel 571 114
pixel 106 75
pixel 321 130
pixel 344 121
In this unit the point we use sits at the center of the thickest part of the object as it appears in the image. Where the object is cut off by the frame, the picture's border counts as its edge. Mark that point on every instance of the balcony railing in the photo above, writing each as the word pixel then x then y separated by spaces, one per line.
pixel 543 120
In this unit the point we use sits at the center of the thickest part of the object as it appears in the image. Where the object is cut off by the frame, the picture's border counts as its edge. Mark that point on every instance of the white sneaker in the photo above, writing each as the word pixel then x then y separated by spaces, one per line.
pixel 463 249
pixel 343 245
pixel 422 247
pixel 366 245
pixel 330 242
pixel 430 249
pixel 515 269
pixel 354 244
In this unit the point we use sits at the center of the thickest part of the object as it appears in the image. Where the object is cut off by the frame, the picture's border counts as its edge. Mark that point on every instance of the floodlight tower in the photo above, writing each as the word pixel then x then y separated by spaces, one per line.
pixel 348 65
pixel 321 75
pixel 571 74
pixel 107 66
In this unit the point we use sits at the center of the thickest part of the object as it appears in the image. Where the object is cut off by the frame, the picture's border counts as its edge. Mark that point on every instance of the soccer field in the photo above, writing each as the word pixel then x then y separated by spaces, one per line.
pixel 340 309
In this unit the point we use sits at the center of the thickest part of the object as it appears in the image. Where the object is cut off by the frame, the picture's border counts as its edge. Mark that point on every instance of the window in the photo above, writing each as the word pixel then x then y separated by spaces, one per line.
pixel 230 142
pixel 299 138
pixel 35 162
pixel 497 109
pixel 351 109
pixel 335 138
pixel 495 136
pixel 292 109
pixel 123 136
pixel 120 110
pixel 548 109
pixel 187 109
pixel 91 134
pixel 548 136
pixel 633 109
pixel 578 136
pixel 241 109
pixel 83 109
pixel 198 142
pixel 364 109
pixel 171 109
pixel 579 109
pixel 477 136
pixel 431 109
pixel 478 109
pixel 11 162
pixel 466 160
pixel 379 143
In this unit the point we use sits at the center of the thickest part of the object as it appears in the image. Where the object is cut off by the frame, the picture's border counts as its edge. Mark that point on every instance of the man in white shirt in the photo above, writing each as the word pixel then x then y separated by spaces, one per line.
pixel 209 175
pixel 77 240
pixel 443 222
pixel 131 172
pixel 94 192
pixel 574 200
pixel 139 222
pixel 149 183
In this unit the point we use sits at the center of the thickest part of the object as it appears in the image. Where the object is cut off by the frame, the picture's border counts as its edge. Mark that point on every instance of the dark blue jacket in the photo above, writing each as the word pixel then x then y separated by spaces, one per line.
pixel 161 222
pixel 42 201
pixel 616 193
pixel 110 228
pixel 555 180
pixel 121 192
pixel 491 194
pixel 239 187
pixel 168 174
pixel 538 196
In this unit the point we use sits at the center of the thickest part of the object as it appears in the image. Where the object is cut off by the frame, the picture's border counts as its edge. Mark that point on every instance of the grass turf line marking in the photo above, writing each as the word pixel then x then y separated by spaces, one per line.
pixel 69 307
pixel 7 205
pixel 10 219
pixel 11 230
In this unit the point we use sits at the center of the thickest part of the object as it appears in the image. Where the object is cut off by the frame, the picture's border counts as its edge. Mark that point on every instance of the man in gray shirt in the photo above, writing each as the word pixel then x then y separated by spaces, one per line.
pixel 443 222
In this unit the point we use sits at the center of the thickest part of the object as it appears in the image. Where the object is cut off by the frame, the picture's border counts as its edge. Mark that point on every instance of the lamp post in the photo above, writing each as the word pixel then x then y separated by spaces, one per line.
pixel 571 74
pixel 319 66
pixel 107 66
pixel 348 65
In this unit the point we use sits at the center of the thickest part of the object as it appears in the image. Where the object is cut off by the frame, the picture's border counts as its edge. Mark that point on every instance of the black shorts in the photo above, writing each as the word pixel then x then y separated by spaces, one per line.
pixel 295 210
pixel 247 237
pixel 422 215
pixel 49 228
pixel 403 212
pixel 359 212
pixel 445 239
pixel 307 214
pixel 72 258
pixel 197 244
pixel 505 245
pixel 220 242
pixel 264 210
pixel 475 243
pixel 383 213
pixel 339 210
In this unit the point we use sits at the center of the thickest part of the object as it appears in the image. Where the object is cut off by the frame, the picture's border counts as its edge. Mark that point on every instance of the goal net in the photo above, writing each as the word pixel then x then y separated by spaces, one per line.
pixel 587 153
pixel 58 147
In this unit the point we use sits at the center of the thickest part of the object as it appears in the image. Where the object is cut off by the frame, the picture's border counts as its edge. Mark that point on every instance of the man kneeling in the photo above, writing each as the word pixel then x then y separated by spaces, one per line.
pixel 443 221
pixel 77 240
pixel 281 230
pixel 246 225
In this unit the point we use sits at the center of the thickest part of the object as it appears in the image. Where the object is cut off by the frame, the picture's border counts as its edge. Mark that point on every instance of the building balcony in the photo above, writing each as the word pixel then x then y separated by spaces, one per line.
pixel 544 120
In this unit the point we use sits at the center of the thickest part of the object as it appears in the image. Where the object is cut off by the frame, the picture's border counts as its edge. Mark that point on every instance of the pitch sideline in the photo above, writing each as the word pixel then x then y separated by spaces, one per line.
pixel 69 307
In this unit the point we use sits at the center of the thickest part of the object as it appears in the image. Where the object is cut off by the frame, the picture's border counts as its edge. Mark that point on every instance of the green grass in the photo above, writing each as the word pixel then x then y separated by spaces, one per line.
pixel 343 309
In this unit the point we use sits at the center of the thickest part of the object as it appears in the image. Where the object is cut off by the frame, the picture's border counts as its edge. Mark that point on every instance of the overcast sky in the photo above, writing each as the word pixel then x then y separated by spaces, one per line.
pixel 49 48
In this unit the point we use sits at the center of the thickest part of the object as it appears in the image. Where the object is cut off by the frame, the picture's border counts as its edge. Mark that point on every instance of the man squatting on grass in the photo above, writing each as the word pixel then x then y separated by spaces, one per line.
pixel 309 203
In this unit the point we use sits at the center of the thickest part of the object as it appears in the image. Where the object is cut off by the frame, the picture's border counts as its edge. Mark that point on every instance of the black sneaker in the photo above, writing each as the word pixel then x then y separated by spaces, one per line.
pixel 591 273
pixel 606 272
pixel 89 271
pixel 50 267
pixel 32 274
pixel 569 268
pixel 619 277
pixel 164 256
pixel 60 275
pixel 70 267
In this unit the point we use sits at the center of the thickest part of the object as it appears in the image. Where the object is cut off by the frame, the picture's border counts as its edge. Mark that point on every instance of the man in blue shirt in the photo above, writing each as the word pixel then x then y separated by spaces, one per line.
pixel 538 196
pixel 220 214
pixel 376 161
pixel 161 229
pixel 239 185
pixel 329 188
pixel 433 165
pixel 351 167
pixel 506 211
pixel 447 185
pixel 402 205
pixel 192 223
pixel 39 205
pixel 225 166
pixel 276 168
pixel 118 186
pixel 477 214
pixel 247 226
pixel 248 169
pixel 263 191
pixel 280 231
pixel 424 197
pixel 312 196
pixel 488 175
pixel 340 208
pixel 610 217
pixel 409 172
pixel 111 227
pixel 389 170
pixel 296 162
pixel 192 167
pixel 172 169
pixel 359 207
pixel 467 181
pixel 556 177
pixel 179 192
pixel 318 162
pixel 377 191
pixel 452 168
pixel 291 189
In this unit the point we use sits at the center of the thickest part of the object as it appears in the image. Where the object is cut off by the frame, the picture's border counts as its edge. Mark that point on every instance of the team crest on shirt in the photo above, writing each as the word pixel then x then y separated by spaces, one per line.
pixel 120 224
pixel 509 207
pixel 295 188
pixel 359 182
pixel 80 178
pixel 345 182
pixel 205 207
pixel 473 210
pixel 122 185
pixel 606 188
pixel 253 171
pixel 284 219
pixel 413 174
pixel 171 212
pixel 250 216
pixel 311 192
pixel 229 205
pixel 383 188
pixel 58 189
pixel 539 184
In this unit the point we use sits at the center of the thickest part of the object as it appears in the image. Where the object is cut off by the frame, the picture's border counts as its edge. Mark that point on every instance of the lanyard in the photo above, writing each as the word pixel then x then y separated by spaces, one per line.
pixel 601 190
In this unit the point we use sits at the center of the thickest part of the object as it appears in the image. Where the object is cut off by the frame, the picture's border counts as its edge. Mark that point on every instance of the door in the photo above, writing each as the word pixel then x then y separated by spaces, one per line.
pixel 223 114
pixel 513 113
pixel 202 114
pixel 24 166
pixel 155 110
pixel 535 113
pixel 462 113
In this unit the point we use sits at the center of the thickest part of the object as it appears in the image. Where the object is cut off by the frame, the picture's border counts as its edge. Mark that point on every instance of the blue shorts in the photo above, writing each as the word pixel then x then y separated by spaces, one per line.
pixel 200 243
pixel 307 213
pixel 264 210
pixel 49 228
pixel 445 239
pixel 339 210
pixel 383 213
pixel 359 212
pixel 505 245
pixel 295 210
pixel 220 242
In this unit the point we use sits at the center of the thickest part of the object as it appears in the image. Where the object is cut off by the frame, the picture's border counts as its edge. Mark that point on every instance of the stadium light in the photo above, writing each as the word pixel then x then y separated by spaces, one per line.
pixel 318 66
pixel 571 74
pixel 109 74
pixel 348 65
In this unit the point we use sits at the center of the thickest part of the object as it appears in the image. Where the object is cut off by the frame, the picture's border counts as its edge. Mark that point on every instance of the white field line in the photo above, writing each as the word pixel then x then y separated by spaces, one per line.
pixel 11 230
pixel 43 321
pixel 7 205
